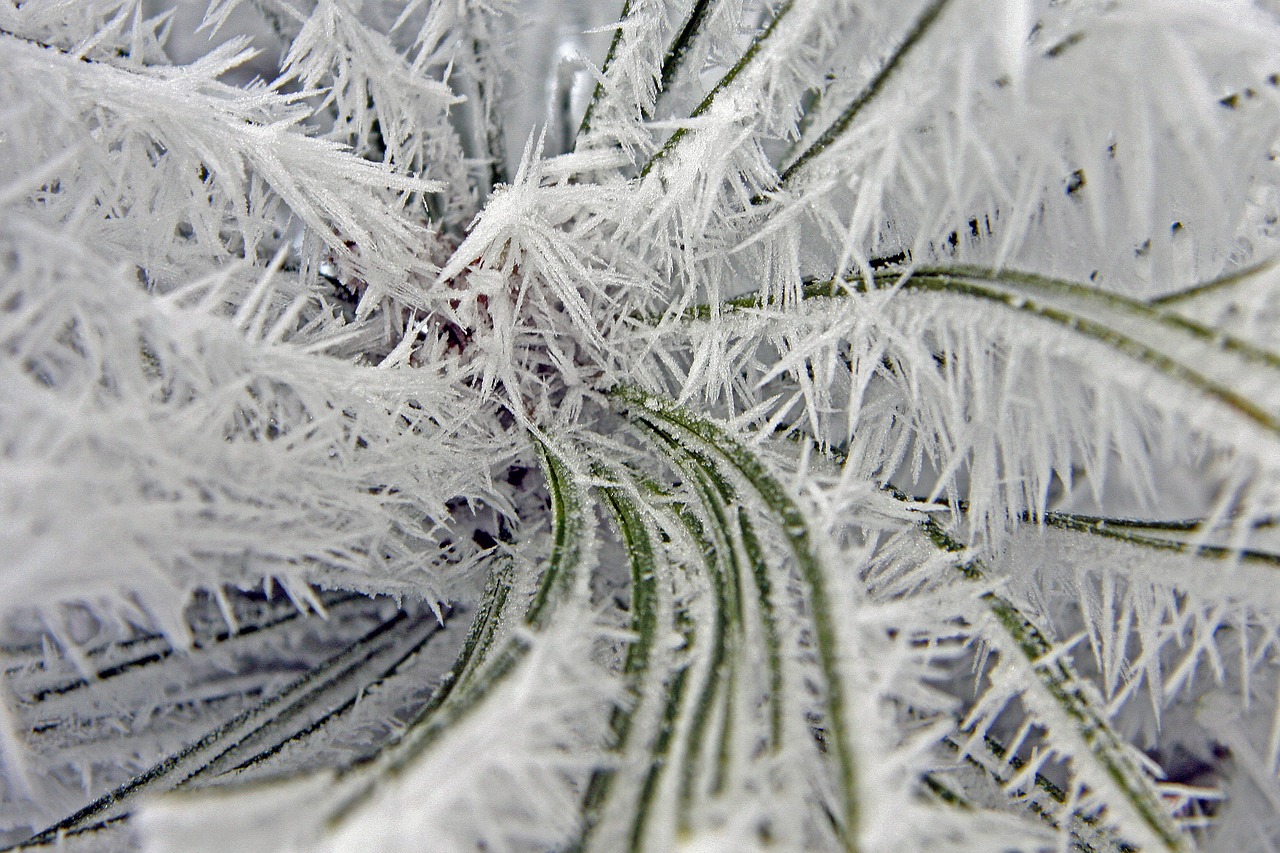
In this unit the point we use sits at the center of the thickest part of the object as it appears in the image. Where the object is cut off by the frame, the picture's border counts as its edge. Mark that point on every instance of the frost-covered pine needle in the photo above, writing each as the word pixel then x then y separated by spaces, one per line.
pixel 546 425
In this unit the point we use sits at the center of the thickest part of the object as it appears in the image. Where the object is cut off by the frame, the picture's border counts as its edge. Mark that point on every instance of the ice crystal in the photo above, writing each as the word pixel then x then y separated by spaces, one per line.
pixel 701 424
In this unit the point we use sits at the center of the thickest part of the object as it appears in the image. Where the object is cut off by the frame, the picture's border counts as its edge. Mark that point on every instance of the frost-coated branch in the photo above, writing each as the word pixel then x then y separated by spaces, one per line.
pixel 327 527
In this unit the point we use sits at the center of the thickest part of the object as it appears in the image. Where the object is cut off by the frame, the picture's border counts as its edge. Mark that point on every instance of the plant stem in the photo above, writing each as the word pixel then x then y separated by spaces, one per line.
pixel 748 57
pixel 869 93
pixel 716 450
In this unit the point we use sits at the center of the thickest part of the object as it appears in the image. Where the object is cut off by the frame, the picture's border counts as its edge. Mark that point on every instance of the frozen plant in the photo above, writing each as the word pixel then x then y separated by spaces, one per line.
pixel 705 425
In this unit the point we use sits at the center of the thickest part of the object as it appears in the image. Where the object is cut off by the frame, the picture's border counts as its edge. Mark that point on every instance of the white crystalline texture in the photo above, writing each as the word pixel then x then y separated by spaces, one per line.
pixel 665 424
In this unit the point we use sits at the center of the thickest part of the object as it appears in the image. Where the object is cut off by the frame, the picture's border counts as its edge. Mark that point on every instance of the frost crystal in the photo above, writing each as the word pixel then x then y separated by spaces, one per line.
pixel 539 425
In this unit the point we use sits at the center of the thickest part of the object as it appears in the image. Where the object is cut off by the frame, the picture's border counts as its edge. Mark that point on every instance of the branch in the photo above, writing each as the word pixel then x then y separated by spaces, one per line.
pixel 922 26
pixel 721 456
pixel 1057 681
